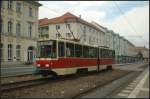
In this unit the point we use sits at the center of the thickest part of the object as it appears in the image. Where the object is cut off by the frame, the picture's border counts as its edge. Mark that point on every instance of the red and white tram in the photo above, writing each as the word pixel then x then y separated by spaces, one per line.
pixel 62 57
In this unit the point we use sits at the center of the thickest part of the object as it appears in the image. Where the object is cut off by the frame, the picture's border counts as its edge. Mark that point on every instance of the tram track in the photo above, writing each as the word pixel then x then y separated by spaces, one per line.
pixel 22 84
pixel 38 81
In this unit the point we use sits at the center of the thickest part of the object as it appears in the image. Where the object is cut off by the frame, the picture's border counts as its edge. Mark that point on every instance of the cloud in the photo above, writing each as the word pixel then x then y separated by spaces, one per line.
pixel 139 19
pixel 106 14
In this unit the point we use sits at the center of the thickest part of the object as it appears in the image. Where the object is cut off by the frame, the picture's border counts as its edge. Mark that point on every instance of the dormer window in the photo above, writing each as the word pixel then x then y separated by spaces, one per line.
pixel 57 26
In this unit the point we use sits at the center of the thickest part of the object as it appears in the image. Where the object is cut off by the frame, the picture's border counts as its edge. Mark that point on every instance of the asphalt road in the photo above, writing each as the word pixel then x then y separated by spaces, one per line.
pixel 17 70
pixel 30 69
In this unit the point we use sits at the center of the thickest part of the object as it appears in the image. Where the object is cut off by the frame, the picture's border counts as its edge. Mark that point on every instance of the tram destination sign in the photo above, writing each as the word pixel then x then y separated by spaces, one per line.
pixel 46 43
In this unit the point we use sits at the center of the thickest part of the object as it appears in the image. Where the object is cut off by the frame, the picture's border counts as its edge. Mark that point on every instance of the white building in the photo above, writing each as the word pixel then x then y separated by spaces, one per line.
pixel 19 28
pixel 69 26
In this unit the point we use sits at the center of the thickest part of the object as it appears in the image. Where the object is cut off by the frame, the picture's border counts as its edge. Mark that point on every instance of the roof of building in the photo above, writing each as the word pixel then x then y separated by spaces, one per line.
pixel 35 3
pixel 67 17
pixel 141 48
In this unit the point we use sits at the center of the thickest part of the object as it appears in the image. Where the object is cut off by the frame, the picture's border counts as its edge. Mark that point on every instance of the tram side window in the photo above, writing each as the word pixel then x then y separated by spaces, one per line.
pixel 113 54
pixel 69 50
pixel 85 51
pixel 78 50
pixel 109 54
pixel 54 50
pixel 61 49
pixel 92 52
pixel 103 53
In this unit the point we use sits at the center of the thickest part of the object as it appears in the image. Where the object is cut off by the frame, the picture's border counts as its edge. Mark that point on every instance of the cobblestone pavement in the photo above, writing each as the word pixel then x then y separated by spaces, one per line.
pixel 138 88
pixel 113 90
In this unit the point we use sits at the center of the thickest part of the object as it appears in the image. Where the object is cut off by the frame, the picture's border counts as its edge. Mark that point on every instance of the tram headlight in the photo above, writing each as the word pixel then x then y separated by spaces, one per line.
pixel 38 65
pixel 47 65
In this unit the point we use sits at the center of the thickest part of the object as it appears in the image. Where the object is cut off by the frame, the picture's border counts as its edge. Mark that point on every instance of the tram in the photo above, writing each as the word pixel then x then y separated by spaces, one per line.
pixel 63 57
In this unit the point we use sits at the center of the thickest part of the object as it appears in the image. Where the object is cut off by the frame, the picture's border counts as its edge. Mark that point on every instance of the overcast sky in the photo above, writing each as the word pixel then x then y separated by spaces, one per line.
pixel 129 19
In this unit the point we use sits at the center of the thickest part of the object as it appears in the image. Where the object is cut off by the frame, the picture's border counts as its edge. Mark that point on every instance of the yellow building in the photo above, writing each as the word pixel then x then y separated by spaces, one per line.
pixel 19 30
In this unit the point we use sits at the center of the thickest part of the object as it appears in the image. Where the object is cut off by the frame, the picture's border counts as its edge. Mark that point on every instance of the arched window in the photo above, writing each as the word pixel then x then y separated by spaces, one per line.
pixel 18 28
pixel 9 27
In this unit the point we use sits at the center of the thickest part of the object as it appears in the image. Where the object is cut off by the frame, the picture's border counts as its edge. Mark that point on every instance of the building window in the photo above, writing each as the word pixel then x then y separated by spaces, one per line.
pixel 2 4
pixel 9 27
pixel 1 51
pixel 68 35
pixel 18 7
pixel 18 48
pixel 30 29
pixel 84 33
pixel 30 11
pixel 10 4
pixel 10 52
pixel 18 28
pixel 57 26
pixel 1 26
pixel 69 26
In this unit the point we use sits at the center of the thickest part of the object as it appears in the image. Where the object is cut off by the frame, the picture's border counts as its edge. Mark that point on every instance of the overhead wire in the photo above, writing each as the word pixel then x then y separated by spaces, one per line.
pixel 117 6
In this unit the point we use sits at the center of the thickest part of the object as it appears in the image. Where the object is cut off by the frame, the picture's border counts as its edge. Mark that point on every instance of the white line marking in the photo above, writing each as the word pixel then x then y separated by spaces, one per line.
pixel 129 88
pixel 145 89
pixel 133 83
pixel 122 94
pixel 130 85
pixel 126 91
pixel 138 87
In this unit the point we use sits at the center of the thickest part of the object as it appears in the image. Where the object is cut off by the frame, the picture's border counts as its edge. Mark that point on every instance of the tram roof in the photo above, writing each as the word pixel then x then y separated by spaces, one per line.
pixel 71 41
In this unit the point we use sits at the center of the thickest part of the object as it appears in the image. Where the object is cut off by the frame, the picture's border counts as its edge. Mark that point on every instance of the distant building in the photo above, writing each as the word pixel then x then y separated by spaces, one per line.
pixel 143 50
pixel 19 31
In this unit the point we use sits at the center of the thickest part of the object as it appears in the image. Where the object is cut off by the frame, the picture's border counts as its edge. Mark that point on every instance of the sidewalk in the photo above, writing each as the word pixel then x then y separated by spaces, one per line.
pixel 142 88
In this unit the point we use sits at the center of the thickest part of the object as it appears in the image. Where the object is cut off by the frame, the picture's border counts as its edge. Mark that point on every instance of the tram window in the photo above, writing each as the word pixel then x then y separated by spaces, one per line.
pixel 95 52
pixel 104 53
pixel 78 50
pixel 85 51
pixel 92 52
pixel 69 50
pixel 47 50
pixel 110 53
pixel 61 49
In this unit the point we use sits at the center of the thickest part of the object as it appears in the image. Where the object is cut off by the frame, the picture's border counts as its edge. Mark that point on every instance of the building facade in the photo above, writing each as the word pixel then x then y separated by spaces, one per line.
pixel 69 26
pixel 19 30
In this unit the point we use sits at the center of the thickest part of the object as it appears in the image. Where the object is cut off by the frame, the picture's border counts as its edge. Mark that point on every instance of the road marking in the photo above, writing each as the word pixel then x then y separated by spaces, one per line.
pixel 138 87
pixel 122 94
pixel 129 88
pixel 126 91
pixel 133 83
pixel 130 85
pixel 144 89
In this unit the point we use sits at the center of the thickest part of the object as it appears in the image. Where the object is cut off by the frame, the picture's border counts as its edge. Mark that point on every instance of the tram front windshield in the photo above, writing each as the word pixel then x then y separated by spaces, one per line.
pixel 47 49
